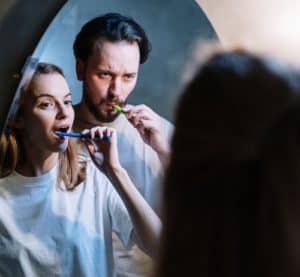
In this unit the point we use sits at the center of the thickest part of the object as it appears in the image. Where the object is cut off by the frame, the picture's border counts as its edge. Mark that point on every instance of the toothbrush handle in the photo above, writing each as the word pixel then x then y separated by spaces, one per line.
pixel 88 136
pixel 78 135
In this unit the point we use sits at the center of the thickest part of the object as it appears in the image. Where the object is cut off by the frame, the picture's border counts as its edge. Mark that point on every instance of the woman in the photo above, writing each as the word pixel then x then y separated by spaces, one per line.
pixel 233 187
pixel 57 215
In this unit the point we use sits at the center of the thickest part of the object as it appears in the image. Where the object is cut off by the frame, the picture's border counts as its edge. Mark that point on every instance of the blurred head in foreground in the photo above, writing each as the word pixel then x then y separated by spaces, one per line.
pixel 232 191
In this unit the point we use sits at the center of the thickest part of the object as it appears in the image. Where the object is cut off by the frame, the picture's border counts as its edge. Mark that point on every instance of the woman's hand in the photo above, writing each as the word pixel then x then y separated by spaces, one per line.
pixel 102 146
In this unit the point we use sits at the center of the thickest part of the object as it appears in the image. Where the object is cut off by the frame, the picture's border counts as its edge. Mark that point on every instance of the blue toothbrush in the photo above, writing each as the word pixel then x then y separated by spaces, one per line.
pixel 78 135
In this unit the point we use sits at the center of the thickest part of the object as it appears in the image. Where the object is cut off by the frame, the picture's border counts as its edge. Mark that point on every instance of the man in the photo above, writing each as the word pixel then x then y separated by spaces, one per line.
pixel 108 52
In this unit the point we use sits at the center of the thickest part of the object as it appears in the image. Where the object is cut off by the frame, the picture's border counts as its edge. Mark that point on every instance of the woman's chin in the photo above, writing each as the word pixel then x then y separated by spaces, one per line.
pixel 62 147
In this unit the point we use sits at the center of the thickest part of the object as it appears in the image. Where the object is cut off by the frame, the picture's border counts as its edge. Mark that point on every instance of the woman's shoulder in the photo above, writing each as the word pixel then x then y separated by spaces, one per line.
pixel 97 179
pixel 9 184
pixel 10 180
pixel 4 181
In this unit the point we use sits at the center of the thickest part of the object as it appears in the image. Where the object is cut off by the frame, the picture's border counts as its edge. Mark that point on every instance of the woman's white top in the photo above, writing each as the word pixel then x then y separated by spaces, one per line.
pixel 47 231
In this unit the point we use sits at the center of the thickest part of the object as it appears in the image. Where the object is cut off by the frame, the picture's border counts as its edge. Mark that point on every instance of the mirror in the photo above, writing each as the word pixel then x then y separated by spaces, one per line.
pixel 172 27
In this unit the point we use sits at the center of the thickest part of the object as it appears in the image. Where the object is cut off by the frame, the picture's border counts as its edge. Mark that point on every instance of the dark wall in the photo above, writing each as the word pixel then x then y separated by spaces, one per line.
pixel 22 23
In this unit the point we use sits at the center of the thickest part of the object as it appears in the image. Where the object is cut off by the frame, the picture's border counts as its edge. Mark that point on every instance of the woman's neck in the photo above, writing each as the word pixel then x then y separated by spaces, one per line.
pixel 36 163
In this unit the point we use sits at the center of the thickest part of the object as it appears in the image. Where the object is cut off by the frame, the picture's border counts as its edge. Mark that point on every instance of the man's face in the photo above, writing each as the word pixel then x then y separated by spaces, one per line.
pixel 109 75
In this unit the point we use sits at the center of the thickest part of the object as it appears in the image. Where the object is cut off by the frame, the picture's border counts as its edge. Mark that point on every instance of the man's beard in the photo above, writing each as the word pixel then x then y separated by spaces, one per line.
pixel 100 115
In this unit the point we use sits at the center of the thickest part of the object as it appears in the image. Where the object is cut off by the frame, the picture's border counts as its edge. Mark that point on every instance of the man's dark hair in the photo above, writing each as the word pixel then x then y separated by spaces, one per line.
pixel 112 27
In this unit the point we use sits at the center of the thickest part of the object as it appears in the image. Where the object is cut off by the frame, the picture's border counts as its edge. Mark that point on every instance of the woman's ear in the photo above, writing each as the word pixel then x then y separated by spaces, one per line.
pixel 80 68
pixel 16 123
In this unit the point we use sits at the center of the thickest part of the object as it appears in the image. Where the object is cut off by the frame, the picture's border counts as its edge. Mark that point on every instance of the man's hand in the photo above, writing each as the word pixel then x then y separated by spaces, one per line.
pixel 150 127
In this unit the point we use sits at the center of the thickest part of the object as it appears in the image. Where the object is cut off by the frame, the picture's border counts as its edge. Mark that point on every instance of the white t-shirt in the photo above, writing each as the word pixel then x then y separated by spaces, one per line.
pixel 46 231
pixel 146 171
pixel 139 159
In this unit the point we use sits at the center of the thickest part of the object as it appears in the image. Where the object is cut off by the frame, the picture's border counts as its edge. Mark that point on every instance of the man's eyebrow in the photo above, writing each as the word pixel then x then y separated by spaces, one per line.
pixel 103 70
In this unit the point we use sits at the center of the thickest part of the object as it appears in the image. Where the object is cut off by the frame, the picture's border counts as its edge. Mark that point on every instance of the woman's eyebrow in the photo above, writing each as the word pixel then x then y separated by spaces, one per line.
pixel 44 95
pixel 51 96
pixel 68 94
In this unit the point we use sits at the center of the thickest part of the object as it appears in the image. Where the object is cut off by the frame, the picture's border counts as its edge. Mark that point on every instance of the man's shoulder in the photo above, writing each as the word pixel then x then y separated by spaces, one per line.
pixel 168 126
pixel 166 121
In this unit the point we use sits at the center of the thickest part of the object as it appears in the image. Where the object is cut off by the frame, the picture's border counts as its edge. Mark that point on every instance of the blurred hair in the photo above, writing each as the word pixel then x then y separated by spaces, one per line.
pixel 232 191
pixel 11 152
pixel 113 27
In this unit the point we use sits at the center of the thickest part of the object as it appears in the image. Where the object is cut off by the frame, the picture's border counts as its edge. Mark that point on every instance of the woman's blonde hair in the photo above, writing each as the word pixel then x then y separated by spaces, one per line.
pixel 70 171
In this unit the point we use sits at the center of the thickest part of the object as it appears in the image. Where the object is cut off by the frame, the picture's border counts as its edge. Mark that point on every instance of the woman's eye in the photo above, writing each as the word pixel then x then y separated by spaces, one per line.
pixel 46 105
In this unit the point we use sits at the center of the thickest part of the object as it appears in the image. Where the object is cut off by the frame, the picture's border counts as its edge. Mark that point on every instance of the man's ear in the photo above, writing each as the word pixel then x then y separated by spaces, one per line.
pixel 80 68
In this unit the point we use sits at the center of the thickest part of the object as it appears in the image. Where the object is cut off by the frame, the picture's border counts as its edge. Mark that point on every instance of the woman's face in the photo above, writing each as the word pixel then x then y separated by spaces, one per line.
pixel 47 107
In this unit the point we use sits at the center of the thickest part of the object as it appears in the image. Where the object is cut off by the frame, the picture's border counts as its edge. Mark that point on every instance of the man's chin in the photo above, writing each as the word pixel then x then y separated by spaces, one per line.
pixel 107 117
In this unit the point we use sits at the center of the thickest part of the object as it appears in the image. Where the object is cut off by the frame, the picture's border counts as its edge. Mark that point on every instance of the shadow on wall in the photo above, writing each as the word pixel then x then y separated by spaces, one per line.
pixel 21 28
pixel 172 26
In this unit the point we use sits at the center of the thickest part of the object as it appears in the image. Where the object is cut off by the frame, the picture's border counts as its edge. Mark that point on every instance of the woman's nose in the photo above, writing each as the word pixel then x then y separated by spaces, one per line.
pixel 62 111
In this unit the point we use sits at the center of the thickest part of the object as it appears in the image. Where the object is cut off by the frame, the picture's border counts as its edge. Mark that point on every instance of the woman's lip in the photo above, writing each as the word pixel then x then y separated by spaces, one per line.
pixel 57 136
pixel 61 129
pixel 67 127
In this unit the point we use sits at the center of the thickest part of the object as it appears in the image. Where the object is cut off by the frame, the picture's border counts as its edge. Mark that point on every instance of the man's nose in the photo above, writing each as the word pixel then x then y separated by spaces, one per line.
pixel 115 88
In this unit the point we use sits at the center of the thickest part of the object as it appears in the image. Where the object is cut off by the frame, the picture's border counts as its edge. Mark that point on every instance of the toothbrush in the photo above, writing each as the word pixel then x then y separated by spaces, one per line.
pixel 119 109
pixel 78 135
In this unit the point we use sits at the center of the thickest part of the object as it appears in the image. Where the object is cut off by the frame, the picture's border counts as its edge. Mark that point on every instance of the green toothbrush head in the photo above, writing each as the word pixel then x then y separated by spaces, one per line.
pixel 118 108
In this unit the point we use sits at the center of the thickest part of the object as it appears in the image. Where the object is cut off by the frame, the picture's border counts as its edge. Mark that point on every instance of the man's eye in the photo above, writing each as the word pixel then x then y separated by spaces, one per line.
pixel 68 102
pixel 128 77
pixel 104 75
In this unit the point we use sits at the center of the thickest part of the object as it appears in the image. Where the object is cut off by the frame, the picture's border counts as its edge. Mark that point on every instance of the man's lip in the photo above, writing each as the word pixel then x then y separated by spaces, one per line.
pixel 111 107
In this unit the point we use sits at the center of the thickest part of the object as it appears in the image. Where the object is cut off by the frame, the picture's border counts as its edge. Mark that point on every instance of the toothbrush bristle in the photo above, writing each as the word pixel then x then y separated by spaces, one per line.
pixel 117 108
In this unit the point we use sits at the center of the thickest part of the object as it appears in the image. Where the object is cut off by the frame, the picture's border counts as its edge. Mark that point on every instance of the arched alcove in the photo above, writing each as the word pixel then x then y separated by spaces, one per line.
pixel 172 26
